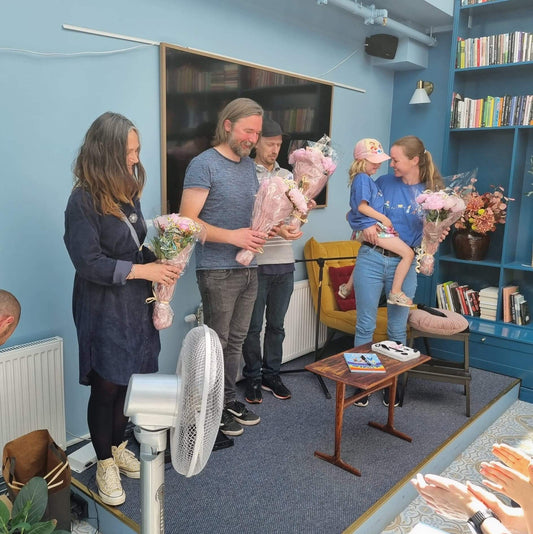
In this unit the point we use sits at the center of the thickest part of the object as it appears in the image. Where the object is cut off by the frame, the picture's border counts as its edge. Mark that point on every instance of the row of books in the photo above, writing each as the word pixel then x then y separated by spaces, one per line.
pixel 294 119
pixel 264 78
pixel 188 79
pixel 458 298
pixel 484 303
pixel 491 111
pixel 514 47
pixel 472 2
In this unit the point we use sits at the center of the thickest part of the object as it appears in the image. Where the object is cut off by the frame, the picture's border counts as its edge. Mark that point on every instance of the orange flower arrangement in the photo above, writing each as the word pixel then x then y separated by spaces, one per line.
pixel 483 211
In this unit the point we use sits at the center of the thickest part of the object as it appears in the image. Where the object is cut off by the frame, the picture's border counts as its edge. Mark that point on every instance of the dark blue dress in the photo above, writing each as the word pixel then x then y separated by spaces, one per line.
pixel 116 335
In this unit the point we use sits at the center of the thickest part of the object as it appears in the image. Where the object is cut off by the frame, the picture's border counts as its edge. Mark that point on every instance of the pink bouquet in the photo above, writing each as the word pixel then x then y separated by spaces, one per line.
pixel 312 166
pixel 441 209
pixel 272 206
pixel 174 245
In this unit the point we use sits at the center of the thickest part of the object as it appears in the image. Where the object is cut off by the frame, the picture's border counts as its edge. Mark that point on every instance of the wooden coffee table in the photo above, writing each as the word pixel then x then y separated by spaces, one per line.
pixel 335 368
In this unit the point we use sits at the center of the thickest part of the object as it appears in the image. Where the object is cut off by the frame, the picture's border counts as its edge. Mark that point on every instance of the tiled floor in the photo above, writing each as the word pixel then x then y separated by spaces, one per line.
pixel 514 427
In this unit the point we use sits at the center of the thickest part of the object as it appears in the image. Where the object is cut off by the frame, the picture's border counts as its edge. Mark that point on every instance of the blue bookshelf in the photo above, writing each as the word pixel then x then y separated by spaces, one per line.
pixel 502 156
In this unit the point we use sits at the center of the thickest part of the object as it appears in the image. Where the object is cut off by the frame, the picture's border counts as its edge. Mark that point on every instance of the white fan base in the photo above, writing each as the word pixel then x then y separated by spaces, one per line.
pixel 153 444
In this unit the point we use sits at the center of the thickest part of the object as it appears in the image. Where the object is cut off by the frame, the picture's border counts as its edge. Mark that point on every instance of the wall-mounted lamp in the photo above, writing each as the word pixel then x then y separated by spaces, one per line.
pixel 422 92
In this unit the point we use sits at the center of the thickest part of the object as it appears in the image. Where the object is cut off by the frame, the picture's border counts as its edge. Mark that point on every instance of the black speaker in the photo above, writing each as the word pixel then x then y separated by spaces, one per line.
pixel 381 45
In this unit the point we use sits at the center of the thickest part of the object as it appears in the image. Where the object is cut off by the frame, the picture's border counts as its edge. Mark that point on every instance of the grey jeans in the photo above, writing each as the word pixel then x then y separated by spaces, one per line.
pixel 228 297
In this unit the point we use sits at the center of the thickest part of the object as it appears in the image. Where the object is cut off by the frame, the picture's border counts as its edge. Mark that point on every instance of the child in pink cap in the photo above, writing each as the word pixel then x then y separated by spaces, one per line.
pixel 366 203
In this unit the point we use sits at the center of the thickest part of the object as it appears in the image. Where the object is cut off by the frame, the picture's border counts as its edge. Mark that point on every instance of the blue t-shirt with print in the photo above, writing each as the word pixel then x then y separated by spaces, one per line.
pixel 401 207
pixel 232 188
pixel 363 188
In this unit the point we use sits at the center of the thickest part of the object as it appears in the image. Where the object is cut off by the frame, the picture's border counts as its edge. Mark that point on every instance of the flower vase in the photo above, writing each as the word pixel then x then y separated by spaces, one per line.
pixel 469 245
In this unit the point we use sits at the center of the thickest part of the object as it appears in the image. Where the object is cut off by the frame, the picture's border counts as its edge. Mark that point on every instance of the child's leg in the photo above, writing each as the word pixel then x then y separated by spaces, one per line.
pixel 396 245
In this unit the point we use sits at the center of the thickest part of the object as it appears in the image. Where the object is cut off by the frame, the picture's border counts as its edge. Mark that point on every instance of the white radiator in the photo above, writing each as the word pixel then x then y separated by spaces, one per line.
pixel 32 391
pixel 300 324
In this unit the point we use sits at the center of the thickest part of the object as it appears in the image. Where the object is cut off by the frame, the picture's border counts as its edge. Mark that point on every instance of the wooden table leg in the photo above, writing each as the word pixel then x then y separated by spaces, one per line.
pixel 339 413
pixel 389 427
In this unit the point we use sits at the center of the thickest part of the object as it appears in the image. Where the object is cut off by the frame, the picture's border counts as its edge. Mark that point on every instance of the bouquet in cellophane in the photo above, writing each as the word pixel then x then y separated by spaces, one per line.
pixel 174 243
pixel 272 206
pixel 312 166
pixel 441 210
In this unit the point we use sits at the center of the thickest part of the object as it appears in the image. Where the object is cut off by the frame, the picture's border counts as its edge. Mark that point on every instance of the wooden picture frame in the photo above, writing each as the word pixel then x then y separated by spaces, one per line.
pixel 195 86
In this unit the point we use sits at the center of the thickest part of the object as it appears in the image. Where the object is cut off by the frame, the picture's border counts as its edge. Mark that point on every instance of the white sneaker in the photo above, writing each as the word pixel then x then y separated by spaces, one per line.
pixel 108 482
pixel 126 461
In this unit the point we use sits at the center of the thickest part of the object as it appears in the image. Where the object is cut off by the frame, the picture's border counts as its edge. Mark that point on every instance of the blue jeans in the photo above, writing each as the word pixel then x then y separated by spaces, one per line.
pixel 273 293
pixel 374 272
pixel 228 297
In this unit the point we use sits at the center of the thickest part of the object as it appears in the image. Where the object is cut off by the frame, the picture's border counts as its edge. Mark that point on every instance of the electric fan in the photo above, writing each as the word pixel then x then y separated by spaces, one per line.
pixel 190 404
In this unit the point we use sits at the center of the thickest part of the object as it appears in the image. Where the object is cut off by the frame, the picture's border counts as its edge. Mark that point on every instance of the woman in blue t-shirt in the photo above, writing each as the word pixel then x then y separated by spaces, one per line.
pixel 414 172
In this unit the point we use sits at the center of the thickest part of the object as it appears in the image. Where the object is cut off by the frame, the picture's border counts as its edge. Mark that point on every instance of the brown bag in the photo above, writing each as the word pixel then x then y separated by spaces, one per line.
pixel 37 455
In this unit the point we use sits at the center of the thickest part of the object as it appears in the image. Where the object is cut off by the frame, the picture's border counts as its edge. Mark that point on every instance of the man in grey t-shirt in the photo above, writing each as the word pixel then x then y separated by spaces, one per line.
pixel 219 192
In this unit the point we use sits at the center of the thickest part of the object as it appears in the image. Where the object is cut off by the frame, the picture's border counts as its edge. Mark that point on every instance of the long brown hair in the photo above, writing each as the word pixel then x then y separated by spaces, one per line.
pixel 101 167
pixel 429 174
pixel 235 110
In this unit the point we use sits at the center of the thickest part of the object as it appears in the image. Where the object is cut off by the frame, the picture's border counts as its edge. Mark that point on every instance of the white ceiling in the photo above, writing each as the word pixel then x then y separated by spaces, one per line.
pixel 420 14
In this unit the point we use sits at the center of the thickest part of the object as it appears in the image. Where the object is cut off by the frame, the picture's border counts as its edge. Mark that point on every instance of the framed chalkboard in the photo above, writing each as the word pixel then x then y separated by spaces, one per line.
pixel 195 86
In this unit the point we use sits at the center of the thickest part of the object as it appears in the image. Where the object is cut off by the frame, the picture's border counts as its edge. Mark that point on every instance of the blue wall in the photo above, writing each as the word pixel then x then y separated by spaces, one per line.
pixel 48 102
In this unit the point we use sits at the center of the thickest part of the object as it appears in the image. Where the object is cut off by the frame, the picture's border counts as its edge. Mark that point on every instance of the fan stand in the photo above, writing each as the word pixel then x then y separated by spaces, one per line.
pixel 152 456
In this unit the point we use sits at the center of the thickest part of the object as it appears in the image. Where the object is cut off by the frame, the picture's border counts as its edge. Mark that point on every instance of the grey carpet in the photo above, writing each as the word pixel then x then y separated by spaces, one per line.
pixel 270 481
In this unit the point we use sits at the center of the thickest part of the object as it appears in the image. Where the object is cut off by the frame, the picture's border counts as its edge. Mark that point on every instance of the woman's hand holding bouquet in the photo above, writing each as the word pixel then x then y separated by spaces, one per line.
pixel 173 245
pixel 441 210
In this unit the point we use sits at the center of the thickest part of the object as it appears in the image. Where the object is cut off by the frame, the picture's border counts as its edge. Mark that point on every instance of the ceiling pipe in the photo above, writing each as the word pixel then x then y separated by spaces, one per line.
pixel 380 17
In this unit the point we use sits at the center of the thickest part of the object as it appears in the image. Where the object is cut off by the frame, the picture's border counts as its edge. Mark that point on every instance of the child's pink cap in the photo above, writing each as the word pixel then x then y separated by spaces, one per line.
pixel 371 150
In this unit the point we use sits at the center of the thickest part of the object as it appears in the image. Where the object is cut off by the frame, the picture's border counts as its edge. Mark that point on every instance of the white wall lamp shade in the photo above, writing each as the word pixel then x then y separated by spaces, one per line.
pixel 422 92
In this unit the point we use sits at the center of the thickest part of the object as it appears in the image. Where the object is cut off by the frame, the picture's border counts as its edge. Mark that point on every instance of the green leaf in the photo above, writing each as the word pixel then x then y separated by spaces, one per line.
pixel 32 499
pixel 4 517
pixel 21 526
pixel 42 528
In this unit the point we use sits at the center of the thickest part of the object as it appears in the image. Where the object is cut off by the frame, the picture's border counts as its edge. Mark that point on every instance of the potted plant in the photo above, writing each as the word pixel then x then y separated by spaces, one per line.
pixel 482 215
pixel 24 517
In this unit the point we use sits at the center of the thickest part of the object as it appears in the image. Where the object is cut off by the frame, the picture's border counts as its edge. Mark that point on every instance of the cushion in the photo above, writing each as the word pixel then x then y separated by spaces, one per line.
pixel 453 323
pixel 339 276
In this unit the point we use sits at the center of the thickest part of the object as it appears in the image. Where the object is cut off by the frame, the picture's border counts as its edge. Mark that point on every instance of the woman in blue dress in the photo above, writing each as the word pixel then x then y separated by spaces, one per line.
pixel 104 229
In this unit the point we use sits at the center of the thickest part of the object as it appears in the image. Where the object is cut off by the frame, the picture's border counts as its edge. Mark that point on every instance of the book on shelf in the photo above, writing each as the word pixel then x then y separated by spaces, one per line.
pixel 506 302
pixel 360 362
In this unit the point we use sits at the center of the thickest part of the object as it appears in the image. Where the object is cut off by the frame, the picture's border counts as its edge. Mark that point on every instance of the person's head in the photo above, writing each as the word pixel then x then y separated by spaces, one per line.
pixel 108 164
pixel 368 156
pixel 9 315
pixel 269 144
pixel 239 126
pixel 410 159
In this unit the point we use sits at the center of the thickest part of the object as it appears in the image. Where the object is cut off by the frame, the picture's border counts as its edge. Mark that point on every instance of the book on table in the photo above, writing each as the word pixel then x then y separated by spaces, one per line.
pixel 362 362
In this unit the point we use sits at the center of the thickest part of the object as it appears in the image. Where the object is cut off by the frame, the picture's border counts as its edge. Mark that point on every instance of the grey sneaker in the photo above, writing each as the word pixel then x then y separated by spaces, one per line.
pixel 108 482
pixel 229 426
pixel 241 414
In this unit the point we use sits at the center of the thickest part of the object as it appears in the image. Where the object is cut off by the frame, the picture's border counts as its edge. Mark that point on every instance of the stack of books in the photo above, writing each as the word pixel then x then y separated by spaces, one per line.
pixel 488 302
pixel 514 306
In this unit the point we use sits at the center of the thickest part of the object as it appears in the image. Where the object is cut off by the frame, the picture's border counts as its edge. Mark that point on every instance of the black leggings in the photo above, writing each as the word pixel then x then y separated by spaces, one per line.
pixel 105 415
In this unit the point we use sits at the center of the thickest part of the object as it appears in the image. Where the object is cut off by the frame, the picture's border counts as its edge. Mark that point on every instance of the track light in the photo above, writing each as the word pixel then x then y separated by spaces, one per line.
pixel 422 92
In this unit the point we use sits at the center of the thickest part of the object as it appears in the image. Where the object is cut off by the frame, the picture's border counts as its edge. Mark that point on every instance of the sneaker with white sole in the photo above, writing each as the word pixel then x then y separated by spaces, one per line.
pixel 108 482
pixel 241 414
pixel 125 460
pixel 228 425
pixel 274 384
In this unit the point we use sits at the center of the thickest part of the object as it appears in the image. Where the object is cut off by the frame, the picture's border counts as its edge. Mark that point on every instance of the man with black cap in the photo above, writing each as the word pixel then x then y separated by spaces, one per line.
pixel 275 285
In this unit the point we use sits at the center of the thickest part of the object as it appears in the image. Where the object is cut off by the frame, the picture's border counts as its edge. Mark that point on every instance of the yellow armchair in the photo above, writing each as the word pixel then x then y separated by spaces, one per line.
pixel 335 319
